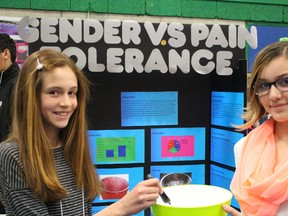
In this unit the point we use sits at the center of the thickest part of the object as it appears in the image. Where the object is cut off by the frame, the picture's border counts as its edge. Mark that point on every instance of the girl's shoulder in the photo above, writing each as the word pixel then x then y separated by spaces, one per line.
pixel 8 146
pixel 9 151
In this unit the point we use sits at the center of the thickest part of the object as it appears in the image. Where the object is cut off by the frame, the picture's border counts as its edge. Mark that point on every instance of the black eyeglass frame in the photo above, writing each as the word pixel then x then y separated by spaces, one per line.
pixel 276 83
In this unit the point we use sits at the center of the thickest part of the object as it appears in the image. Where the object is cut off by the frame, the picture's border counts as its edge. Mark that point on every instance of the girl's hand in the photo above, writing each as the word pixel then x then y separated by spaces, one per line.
pixel 231 211
pixel 142 196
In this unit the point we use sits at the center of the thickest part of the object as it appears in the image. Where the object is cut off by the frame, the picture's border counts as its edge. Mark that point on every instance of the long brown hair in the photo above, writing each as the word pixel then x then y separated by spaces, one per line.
pixel 254 110
pixel 28 131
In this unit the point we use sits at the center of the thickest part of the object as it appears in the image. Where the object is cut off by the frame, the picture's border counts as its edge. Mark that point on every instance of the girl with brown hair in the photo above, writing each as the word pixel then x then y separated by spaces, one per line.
pixel 45 165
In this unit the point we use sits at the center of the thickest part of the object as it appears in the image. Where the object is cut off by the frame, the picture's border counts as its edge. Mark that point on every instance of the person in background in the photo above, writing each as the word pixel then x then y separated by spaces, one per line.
pixel 8 74
pixel 260 181
pixel 45 164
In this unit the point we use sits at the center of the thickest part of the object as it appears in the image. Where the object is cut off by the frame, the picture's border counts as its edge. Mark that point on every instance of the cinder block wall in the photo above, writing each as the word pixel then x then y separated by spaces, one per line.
pixel 243 10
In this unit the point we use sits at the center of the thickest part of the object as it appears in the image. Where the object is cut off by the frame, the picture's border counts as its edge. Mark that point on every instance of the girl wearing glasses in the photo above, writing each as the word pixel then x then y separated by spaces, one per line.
pixel 260 182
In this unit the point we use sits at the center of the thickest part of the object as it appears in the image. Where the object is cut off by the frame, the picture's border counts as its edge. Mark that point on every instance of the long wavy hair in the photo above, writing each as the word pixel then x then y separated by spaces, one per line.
pixel 254 110
pixel 28 131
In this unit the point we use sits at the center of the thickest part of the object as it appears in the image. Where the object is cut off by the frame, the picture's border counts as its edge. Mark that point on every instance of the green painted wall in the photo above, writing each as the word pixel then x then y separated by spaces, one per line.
pixel 244 10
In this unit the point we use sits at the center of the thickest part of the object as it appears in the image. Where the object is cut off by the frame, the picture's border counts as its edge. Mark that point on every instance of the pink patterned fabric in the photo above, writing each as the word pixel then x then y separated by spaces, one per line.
pixel 260 183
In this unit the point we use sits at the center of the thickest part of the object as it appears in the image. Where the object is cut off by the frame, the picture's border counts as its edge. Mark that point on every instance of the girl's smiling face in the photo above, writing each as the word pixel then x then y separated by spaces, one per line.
pixel 58 97
pixel 275 102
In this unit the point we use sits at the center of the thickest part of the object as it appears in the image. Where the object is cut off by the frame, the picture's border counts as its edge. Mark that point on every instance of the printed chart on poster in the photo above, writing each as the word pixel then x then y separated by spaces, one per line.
pixel 177 144
pixel 117 146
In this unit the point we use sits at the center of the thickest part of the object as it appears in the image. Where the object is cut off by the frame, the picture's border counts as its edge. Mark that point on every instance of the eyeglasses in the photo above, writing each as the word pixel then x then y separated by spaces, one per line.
pixel 263 87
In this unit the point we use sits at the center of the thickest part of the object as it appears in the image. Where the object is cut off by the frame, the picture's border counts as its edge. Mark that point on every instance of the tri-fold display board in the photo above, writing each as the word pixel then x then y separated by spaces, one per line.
pixel 164 96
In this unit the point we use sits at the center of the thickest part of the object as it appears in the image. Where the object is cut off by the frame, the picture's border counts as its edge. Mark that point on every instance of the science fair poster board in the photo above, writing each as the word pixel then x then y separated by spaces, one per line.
pixel 164 96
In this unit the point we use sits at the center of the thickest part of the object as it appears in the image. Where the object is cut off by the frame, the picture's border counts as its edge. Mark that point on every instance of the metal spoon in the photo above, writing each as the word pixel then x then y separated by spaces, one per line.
pixel 163 196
